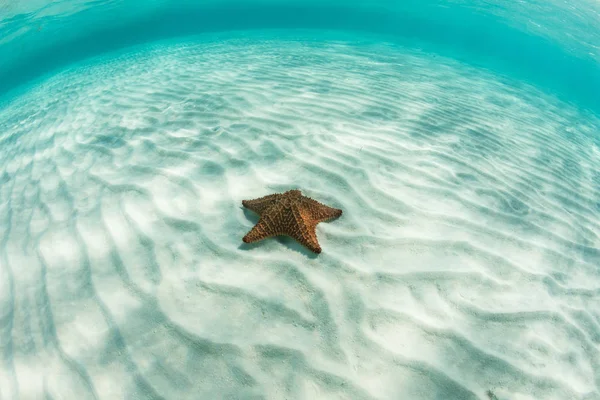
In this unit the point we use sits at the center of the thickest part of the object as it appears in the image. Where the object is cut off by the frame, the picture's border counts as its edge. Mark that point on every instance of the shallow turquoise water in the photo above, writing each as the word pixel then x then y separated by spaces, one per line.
pixel 552 44
pixel 460 139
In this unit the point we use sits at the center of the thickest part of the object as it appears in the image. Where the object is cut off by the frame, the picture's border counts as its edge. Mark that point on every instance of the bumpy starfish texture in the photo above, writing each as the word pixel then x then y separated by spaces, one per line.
pixel 291 214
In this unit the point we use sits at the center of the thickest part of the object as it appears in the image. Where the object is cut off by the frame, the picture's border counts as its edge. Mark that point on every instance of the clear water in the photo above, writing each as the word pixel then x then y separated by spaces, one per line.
pixel 461 139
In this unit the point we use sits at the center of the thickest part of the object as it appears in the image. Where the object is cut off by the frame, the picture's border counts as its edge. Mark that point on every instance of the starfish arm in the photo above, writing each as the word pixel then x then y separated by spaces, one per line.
pixel 261 204
pixel 320 212
pixel 271 224
pixel 304 231
pixel 258 232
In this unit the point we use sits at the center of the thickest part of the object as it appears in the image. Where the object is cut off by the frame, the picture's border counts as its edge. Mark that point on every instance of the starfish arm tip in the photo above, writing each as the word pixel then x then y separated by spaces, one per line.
pixel 250 237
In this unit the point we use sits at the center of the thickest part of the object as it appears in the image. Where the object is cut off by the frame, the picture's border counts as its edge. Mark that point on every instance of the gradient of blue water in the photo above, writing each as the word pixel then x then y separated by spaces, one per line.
pixel 550 44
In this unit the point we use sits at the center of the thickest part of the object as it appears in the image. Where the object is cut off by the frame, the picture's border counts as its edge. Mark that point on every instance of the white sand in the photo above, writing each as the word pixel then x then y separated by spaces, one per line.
pixel 466 260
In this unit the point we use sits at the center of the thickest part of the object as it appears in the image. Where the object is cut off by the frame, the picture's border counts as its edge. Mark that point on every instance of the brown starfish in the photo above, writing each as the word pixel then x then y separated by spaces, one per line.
pixel 291 214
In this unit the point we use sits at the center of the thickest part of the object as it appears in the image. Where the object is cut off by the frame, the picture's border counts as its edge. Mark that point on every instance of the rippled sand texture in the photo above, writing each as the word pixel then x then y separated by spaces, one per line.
pixel 465 265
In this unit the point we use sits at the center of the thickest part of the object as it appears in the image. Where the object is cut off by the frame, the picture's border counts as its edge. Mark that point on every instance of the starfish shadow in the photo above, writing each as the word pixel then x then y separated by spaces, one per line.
pixel 284 240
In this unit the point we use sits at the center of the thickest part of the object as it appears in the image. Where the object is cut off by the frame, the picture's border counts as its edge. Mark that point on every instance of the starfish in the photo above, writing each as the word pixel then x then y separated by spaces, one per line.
pixel 291 214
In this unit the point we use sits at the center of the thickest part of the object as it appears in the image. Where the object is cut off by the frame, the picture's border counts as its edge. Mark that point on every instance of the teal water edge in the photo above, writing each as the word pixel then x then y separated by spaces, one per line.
pixel 554 45
pixel 460 139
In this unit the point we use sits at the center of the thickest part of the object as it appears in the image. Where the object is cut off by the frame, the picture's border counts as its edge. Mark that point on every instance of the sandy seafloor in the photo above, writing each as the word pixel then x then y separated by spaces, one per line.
pixel 465 265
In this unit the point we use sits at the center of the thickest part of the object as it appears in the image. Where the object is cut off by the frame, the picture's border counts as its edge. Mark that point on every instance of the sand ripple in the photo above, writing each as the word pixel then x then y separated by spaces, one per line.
pixel 465 265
